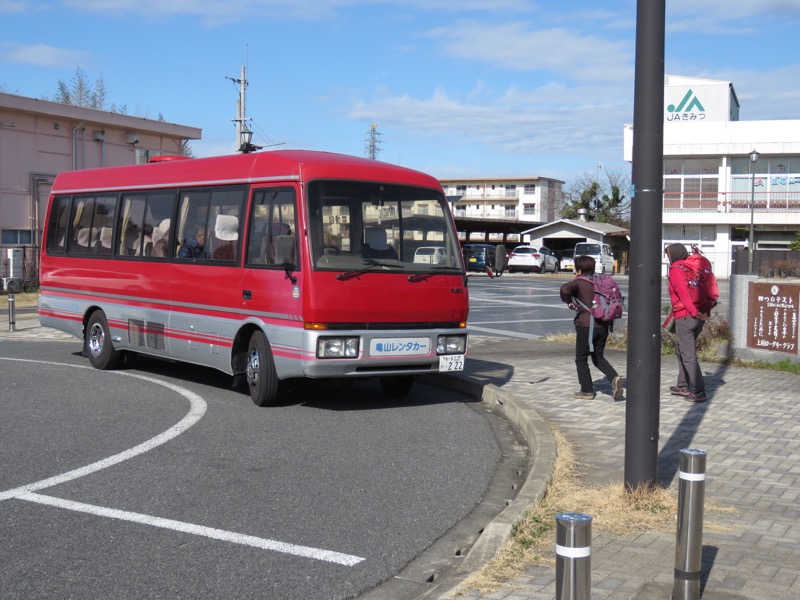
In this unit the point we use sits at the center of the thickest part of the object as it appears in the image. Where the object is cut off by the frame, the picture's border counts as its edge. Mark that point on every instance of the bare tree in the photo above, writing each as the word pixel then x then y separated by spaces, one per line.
pixel 605 200
pixel 82 92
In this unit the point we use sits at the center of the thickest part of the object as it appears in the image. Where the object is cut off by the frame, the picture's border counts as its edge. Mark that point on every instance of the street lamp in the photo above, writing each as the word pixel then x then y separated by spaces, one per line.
pixel 246 146
pixel 751 241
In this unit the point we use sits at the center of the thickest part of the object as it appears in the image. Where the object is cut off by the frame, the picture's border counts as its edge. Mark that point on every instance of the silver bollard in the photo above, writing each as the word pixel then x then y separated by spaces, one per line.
pixel 689 536
pixel 12 313
pixel 573 556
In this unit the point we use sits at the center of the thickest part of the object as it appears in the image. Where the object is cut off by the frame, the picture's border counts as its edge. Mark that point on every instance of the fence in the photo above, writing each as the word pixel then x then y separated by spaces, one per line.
pixel 768 263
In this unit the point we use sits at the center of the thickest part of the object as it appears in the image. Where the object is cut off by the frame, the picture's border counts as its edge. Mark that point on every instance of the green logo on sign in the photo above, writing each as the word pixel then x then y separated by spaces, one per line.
pixel 689 102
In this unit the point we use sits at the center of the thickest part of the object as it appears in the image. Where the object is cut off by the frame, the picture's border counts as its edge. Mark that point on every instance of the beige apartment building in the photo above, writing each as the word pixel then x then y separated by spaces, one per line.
pixel 530 199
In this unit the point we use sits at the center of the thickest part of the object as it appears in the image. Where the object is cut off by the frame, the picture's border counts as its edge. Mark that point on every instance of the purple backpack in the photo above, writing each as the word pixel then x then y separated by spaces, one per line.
pixel 608 302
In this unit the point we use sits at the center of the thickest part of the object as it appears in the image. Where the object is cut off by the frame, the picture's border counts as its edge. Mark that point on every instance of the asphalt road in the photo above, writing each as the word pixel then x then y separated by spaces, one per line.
pixel 160 481
pixel 529 306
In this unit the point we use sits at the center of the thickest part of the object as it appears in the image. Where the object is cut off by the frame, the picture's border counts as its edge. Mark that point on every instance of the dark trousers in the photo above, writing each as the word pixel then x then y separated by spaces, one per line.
pixel 687 329
pixel 582 355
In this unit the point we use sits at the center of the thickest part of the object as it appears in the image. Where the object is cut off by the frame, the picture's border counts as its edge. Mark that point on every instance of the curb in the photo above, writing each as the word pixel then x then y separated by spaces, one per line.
pixel 543 450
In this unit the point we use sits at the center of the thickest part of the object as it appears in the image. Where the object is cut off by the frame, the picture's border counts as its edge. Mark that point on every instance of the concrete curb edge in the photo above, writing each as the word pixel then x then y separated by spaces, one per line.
pixel 543 454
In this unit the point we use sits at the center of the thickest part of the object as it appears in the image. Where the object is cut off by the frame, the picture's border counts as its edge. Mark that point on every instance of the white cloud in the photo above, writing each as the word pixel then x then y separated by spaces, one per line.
pixel 13 6
pixel 41 55
pixel 553 119
pixel 519 47
pixel 730 17
pixel 213 12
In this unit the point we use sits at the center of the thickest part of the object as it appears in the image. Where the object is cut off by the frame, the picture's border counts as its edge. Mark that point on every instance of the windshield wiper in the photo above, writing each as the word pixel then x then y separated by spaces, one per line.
pixel 373 264
pixel 424 276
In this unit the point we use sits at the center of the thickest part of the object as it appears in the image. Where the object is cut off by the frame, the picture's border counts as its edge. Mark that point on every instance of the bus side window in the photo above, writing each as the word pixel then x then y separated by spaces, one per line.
pixel 81 218
pixel 57 230
pixel 273 223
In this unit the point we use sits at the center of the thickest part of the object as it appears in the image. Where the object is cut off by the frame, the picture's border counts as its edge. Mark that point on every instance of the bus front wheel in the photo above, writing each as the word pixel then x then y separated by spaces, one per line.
pixel 97 343
pixel 262 380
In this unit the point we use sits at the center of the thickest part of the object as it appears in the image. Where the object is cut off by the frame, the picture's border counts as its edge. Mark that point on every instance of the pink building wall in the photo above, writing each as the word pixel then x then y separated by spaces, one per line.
pixel 39 139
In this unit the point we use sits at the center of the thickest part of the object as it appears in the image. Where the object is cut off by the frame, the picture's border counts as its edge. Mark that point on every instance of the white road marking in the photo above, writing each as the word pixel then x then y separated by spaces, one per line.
pixel 196 412
pixel 209 532
pixel 505 333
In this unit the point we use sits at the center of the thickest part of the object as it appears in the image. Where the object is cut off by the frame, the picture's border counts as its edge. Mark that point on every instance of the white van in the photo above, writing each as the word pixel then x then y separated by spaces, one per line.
pixel 601 253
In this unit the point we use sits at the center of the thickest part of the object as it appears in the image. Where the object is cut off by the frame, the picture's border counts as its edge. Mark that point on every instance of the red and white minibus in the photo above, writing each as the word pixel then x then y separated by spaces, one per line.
pixel 269 266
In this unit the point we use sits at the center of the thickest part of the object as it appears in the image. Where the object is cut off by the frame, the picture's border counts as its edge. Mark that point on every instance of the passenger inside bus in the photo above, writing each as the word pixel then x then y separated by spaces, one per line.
pixel 193 247
pixel 375 244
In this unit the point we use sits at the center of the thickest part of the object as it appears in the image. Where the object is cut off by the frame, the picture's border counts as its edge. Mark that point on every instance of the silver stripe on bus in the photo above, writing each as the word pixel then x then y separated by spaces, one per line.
pixel 139 300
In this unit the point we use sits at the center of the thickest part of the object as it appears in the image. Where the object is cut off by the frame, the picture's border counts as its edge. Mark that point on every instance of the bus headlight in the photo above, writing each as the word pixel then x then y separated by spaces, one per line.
pixel 337 347
pixel 451 344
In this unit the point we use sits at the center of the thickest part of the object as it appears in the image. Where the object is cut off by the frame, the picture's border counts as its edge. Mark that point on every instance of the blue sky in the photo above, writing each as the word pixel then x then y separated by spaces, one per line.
pixel 457 88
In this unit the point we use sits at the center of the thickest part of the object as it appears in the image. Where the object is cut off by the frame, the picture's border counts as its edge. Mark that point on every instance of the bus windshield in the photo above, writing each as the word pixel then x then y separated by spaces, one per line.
pixel 386 227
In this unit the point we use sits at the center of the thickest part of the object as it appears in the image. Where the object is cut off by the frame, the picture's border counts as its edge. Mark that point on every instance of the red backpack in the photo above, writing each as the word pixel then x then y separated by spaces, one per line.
pixel 700 280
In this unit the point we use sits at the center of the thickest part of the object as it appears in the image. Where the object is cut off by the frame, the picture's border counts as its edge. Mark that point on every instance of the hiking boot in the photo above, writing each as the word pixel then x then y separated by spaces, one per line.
pixel 617 389
pixel 699 396
pixel 679 390
pixel 581 395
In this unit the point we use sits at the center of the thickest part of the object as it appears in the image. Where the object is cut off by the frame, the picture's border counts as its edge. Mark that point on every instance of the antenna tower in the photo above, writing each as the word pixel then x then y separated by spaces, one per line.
pixel 372 145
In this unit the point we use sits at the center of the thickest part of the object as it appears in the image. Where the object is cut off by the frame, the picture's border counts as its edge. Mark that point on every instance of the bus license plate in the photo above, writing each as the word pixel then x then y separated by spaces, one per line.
pixel 451 362
pixel 400 347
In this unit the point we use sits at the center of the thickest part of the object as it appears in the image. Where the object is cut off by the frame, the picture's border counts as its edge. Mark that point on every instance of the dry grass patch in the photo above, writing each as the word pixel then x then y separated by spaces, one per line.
pixel 20 299
pixel 612 507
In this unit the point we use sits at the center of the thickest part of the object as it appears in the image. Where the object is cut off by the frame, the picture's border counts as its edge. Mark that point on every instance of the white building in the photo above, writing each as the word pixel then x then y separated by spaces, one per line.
pixel 712 191
pixel 529 199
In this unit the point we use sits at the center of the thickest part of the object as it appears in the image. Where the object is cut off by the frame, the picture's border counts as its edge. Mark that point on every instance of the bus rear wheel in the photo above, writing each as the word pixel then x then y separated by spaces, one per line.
pixel 262 379
pixel 97 343
pixel 397 386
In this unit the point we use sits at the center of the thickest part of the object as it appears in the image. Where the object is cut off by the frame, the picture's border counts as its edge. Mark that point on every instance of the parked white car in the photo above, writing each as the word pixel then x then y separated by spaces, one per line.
pixel 528 259
pixel 566 261
pixel 601 253
pixel 433 255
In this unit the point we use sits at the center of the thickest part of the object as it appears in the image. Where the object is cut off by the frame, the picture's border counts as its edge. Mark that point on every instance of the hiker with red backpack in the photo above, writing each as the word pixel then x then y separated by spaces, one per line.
pixel 597 300
pixel 690 292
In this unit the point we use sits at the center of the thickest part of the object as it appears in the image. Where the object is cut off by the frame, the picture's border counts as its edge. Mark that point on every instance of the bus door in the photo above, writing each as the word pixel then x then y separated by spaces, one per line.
pixel 205 284
pixel 272 281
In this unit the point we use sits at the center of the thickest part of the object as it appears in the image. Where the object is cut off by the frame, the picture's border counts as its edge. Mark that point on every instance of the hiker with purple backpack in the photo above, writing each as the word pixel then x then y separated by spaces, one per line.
pixel 596 314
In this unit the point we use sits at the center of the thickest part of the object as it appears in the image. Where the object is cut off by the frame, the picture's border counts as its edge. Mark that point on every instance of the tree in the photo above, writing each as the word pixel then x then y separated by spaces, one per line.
pixel 82 92
pixel 605 200
pixel 795 245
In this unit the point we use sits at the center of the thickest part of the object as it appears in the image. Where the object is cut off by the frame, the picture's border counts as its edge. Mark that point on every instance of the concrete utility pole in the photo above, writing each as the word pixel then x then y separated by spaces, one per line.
pixel 373 143
pixel 242 131
pixel 644 314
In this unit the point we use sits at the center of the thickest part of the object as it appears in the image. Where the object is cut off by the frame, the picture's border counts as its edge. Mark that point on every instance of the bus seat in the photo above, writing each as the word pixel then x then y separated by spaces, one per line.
pixel 376 245
pixel 284 250
pixel 84 237
pixel 104 243
pixel 226 234
pixel 268 242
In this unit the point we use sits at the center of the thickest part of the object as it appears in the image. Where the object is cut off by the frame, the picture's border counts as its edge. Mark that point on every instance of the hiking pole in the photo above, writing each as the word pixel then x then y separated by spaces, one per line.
pixel 689 536
pixel 573 556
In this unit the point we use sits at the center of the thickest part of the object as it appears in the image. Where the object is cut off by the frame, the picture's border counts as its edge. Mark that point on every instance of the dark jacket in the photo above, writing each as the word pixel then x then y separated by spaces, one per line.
pixel 584 291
